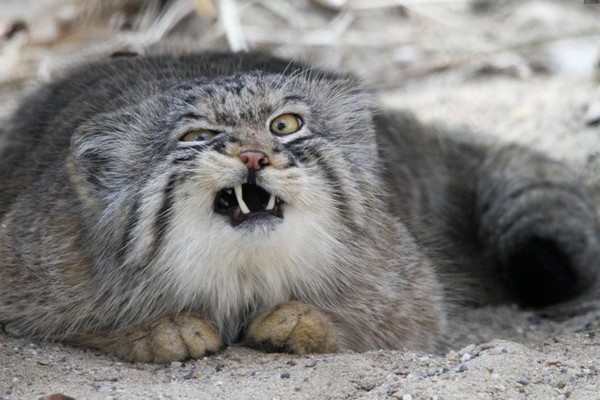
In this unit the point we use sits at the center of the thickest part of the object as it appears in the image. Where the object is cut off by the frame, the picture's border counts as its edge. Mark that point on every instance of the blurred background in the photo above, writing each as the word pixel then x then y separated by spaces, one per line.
pixel 380 40
pixel 524 71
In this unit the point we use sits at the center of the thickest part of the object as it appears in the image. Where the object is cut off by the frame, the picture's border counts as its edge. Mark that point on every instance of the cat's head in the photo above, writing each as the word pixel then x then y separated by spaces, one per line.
pixel 230 169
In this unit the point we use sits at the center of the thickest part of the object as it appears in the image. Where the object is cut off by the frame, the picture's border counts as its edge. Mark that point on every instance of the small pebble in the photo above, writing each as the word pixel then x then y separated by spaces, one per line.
pixel 463 368
pixel 285 375
pixel 523 381
pixel 465 357
pixel 189 375
pixel 311 364
pixel 452 356
pixel 176 364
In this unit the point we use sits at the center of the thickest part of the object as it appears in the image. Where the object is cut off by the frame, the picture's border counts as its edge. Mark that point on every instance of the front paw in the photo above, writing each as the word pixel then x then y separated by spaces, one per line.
pixel 292 327
pixel 167 339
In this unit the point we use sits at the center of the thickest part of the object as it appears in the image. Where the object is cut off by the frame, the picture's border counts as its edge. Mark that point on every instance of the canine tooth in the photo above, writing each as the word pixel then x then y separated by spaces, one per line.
pixel 238 194
pixel 228 191
pixel 271 203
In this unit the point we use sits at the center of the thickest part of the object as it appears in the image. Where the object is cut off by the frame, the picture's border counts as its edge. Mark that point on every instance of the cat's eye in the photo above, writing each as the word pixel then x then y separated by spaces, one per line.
pixel 198 135
pixel 286 124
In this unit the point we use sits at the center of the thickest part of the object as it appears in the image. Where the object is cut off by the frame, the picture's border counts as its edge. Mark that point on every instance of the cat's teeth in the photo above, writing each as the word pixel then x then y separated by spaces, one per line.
pixel 271 203
pixel 224 202
pixel 228 191
pixel 238 194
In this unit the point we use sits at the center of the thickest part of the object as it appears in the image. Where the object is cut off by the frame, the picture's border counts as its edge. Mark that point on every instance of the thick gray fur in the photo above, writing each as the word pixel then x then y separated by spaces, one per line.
pixel 107 222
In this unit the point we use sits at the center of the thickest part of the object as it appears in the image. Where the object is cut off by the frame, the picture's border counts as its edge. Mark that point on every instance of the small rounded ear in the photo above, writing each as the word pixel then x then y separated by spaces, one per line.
pixel 104 150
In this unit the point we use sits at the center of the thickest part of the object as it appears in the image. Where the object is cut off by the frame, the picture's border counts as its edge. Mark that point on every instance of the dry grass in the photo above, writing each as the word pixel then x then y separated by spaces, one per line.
pixel 349 34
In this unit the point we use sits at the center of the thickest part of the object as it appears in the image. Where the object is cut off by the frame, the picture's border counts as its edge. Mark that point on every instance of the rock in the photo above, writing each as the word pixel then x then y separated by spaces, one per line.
pixel 452 356
pixel 523 381
pixel 189 375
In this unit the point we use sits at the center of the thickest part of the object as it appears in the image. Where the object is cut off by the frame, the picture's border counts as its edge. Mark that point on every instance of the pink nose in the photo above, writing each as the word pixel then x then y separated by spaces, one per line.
pixel 254 159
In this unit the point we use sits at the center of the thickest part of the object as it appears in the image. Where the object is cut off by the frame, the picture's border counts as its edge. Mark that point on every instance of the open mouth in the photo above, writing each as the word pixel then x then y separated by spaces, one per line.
pixel 247 201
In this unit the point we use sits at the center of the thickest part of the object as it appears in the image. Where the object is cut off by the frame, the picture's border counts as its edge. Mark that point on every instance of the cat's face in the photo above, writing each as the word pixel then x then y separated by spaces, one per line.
pixel 256 170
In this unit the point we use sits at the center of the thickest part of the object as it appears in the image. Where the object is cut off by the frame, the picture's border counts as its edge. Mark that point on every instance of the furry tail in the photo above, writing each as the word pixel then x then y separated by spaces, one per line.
pixel 539 225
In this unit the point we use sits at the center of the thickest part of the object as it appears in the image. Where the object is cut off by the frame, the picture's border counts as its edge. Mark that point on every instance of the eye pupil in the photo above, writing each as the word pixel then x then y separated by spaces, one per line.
pixel 286 124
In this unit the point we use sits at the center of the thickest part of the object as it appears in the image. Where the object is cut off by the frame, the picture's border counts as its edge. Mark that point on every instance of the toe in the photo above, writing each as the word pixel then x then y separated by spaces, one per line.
pixel 167 343
pixel 200 337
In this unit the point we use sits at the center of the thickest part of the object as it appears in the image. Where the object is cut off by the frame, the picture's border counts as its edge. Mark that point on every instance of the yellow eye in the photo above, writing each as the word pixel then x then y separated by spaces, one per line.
pixel 286 124
pixel 198 135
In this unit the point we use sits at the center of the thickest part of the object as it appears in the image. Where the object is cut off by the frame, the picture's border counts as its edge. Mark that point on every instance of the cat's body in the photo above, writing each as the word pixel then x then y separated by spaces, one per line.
pixel 120 213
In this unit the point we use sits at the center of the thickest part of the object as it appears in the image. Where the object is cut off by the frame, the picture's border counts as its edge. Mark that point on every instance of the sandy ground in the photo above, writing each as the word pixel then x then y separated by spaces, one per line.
pixel 443 62
pixel 559 368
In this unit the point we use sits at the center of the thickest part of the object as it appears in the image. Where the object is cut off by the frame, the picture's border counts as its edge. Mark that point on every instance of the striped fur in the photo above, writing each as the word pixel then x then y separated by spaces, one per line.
pixel 108 219
pixel 128 209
